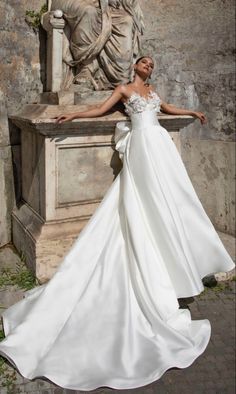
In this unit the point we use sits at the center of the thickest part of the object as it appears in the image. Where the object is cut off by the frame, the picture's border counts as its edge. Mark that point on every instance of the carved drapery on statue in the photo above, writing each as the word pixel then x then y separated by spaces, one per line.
pixel 102 39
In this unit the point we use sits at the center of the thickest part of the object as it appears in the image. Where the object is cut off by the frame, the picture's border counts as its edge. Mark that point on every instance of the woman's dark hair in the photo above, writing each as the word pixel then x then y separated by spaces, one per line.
pixel 142 57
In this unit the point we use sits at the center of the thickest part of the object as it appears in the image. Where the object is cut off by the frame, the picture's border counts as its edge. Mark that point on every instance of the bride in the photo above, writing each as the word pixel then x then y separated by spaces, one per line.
pixel 110 314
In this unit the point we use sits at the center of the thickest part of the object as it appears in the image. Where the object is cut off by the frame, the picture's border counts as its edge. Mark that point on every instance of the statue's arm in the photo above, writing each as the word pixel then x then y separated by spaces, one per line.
pixel 116 96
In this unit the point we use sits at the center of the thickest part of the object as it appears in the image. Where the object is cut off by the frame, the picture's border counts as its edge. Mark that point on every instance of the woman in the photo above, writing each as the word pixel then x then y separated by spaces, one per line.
pixel 110 314
pixel 143 70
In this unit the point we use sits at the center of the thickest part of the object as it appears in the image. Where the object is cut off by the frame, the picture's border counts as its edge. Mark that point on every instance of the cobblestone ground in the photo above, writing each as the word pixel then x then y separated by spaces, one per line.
pixel 212 373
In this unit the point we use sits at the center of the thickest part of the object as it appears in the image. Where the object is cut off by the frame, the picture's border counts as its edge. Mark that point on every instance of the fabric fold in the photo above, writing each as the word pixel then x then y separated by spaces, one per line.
pixel 122 135
pixel 110 313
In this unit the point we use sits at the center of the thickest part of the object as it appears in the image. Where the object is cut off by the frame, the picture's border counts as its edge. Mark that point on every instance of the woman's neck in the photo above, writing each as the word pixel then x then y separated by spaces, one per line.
pixel 138 81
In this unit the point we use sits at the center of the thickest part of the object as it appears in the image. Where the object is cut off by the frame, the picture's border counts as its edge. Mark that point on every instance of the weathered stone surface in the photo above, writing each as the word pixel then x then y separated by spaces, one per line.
pixel 4 131
pixel 22 65
pixel 9 258
pixel 192 44
pixel 6 190
pixel 21 69
pixel 6 194
pixel 9 298
pixel 229 242
pixel 211 167
pixel 55 98
pixel 54 27
pixel 9 261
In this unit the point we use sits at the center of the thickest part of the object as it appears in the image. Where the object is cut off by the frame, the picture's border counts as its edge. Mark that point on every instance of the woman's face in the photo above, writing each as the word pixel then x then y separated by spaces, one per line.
pixel 145 66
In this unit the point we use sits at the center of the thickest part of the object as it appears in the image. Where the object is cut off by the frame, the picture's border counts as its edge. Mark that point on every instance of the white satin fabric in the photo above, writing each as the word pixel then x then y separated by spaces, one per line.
pixel 110 314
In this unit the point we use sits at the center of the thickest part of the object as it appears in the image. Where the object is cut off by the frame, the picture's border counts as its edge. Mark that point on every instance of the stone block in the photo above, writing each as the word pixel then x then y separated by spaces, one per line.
pixel 11 296
pixel 7 196
pixel 14 134
pixel 16 164
pixel 65 97
pixel 4 130
pixel 91 98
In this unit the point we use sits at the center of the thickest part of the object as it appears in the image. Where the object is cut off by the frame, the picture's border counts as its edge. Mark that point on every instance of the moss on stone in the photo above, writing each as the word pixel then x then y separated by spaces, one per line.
pixel 33 18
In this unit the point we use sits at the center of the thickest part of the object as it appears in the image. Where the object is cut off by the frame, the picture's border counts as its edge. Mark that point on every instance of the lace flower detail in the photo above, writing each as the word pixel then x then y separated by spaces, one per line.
pixel 137 103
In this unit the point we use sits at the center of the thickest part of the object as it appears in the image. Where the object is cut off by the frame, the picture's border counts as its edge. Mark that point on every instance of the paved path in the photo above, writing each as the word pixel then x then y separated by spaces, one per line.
pixel 212 373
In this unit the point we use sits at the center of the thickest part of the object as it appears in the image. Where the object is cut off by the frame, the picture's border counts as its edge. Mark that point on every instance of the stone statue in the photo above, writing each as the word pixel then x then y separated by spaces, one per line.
pixel 103 40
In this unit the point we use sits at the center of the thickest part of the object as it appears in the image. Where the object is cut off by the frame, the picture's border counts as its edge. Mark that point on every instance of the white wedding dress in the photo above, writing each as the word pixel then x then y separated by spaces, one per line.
pixel 110 315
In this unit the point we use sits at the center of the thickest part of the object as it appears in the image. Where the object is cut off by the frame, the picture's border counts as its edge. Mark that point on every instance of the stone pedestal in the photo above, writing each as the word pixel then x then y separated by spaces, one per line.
pixel 66 170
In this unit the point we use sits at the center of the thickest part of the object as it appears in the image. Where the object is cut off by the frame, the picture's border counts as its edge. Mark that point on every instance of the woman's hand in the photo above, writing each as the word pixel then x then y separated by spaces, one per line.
pixel 64 118
pixel 200 116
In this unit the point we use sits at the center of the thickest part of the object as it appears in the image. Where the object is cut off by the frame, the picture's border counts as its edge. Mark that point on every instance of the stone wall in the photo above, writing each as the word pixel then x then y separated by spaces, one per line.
pixel 192 44
pixel 21 75
pixel 211 167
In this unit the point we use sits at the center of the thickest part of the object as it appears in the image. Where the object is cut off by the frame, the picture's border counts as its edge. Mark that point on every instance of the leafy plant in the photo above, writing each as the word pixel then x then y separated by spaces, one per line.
pixel 21 277
pixel 33 18
pixel 2 336
pixel 220 287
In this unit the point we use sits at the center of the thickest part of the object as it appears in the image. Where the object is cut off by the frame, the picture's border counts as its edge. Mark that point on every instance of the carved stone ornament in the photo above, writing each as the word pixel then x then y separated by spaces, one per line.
pixel 100 41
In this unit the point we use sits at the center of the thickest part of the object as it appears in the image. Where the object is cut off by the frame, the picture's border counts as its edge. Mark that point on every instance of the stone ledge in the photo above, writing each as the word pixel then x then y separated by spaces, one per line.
pixel 39 117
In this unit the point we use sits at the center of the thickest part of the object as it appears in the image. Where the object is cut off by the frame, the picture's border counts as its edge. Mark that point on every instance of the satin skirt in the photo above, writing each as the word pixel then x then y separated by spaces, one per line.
pixel 110 314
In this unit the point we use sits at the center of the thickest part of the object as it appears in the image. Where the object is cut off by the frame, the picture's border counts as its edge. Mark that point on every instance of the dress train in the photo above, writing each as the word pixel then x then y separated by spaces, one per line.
pixel 110 314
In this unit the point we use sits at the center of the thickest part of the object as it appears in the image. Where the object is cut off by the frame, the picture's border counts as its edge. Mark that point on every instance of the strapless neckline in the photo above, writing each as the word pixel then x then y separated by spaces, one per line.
pixel 149 96
pixel 137 103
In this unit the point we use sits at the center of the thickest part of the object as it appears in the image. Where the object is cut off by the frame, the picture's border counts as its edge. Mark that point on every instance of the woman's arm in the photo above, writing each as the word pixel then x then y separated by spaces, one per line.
pixel 173 110
pixel 117 94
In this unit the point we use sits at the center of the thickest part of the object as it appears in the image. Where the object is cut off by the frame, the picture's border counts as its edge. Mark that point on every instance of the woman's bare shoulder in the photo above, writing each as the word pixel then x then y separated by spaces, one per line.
pixel 124 88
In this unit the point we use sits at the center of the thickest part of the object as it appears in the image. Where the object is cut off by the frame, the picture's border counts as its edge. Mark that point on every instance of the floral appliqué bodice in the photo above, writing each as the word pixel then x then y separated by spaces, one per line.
pixel 137 103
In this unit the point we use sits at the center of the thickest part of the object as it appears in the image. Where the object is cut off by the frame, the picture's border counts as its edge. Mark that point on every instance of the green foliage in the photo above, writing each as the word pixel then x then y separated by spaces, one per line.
pixel 220 287
pixel 2 336
pixel 8 377
pixel 2 366
pixel 21 277
pixel 33 18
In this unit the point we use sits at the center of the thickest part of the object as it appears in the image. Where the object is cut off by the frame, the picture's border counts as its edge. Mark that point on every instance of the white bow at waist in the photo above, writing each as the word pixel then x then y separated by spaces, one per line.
pixel 122 135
